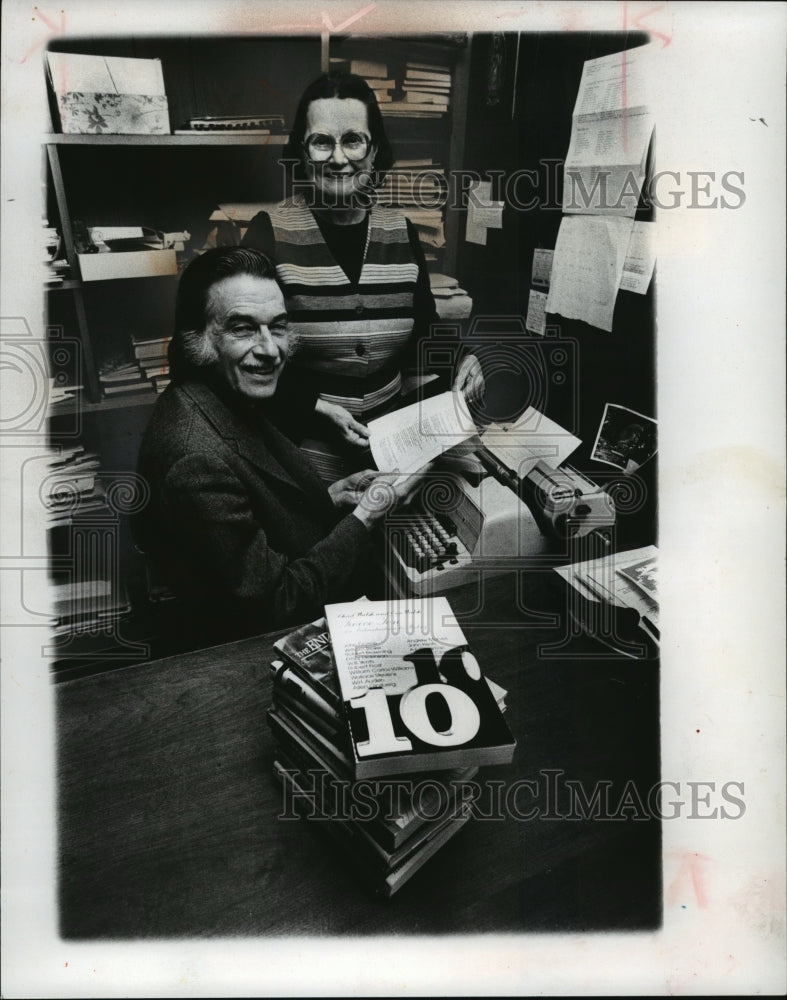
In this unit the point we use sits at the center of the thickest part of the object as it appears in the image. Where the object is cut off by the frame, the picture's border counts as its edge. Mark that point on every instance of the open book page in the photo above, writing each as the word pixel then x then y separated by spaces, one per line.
pixel 530 438
pixel 370 639
pixel 409 438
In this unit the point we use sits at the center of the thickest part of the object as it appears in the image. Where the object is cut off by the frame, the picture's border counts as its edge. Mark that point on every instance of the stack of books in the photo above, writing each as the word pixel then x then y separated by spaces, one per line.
pixel 56 266
pixel 61 391
pixel 147 373
pixel 426 89
pixel 451 301
pixel 86 606
pixel 119 377
pixel 378 726
pixel 420 188
pixel 375 73
pixel 72 488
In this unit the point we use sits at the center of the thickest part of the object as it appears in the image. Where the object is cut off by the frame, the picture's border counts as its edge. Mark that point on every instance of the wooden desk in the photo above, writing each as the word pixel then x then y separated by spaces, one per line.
pixel 168 808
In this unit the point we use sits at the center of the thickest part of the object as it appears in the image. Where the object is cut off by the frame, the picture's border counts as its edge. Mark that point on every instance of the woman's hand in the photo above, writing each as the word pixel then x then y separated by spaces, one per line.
pixel 386 491
pixel 349 491
pixel 349 429
pixel 470 379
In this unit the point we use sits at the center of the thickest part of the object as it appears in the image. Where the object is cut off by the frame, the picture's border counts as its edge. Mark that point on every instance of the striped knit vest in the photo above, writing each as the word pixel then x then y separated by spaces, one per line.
pixel 351 334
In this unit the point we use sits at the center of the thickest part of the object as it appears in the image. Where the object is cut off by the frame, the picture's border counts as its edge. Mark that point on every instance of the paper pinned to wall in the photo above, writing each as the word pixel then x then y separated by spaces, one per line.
pixel 542 267
pixel 475 233
pixel 615 82
pixel 610 134
pixel 640 258
pixel 536 312
pixel 482 212
pixel 588 267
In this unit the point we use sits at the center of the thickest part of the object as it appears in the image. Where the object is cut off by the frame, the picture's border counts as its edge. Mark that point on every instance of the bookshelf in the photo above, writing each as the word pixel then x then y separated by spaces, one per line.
pixel 171 183
pixel 441 137
pixel 168 183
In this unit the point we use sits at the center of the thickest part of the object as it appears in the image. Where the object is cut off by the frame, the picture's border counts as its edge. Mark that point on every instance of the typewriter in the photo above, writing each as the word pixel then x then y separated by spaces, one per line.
pixel 473 518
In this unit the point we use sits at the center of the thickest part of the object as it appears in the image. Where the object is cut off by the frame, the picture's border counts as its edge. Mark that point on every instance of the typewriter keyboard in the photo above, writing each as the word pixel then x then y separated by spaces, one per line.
pixel 425 542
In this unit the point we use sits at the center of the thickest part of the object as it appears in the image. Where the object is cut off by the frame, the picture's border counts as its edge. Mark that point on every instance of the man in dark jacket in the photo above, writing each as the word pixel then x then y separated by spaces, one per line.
pixel 237 522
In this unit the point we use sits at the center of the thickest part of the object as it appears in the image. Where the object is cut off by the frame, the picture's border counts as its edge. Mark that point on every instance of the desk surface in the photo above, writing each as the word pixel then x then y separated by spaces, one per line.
pixel 168 808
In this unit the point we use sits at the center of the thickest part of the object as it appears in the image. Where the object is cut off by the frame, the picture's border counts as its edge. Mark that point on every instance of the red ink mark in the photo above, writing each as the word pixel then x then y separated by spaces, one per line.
pixel 690 875
pixel 639 19
pixel 54 29
pixel 65 965
pixel 352 18
pixel 325 22
pixel 264 83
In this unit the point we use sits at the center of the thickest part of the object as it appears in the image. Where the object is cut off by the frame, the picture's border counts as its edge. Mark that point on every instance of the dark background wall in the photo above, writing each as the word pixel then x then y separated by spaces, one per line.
pixel 520 102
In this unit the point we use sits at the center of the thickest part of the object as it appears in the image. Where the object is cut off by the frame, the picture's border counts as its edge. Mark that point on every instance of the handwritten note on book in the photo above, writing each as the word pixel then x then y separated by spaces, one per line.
pixel 371 638
pixel 409 438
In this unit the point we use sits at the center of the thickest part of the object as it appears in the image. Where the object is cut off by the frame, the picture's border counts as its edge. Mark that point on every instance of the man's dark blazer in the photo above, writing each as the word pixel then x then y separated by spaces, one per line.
pixel 237 522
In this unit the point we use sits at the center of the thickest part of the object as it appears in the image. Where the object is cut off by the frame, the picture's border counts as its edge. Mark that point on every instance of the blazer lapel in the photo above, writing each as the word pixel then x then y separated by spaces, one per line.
pixel 252 442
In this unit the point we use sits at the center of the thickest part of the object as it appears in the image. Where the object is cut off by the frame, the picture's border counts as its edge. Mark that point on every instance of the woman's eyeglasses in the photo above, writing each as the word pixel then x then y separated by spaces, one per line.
pixel 355 145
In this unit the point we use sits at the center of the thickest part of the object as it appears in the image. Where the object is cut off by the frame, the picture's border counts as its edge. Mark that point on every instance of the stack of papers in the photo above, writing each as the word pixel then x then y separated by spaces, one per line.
pixel 451 301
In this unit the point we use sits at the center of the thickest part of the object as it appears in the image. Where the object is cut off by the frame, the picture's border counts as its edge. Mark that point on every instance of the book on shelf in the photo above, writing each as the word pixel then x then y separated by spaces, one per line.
pixel 426 87
pixel 424 97
pixel 73 488
pixel 136 263
pixel 147 350
pixel 60 392
pixel 380 84
pixel 250 124
pixel 368 69
pixel 413 72
pixel 82 605
pixel 394 657
pixel 132 389
pixel 415 78
pixel 428 67
pixel 131 376
pixel 409 164
pixel 406 110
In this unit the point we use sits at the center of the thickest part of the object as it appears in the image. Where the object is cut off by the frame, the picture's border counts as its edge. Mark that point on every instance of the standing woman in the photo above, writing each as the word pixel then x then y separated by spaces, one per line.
pixel 353 272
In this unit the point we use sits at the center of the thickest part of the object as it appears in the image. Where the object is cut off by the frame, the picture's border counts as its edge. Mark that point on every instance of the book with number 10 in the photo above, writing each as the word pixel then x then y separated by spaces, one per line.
pixel 413 693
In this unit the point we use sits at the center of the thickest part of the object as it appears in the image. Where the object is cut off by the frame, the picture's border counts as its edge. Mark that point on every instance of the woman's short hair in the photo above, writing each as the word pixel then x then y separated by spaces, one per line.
pixel 344 86
pixel 190 348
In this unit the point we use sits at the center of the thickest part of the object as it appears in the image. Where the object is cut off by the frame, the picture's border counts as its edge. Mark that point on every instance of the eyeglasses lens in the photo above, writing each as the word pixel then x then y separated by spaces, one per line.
pixel 354 145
